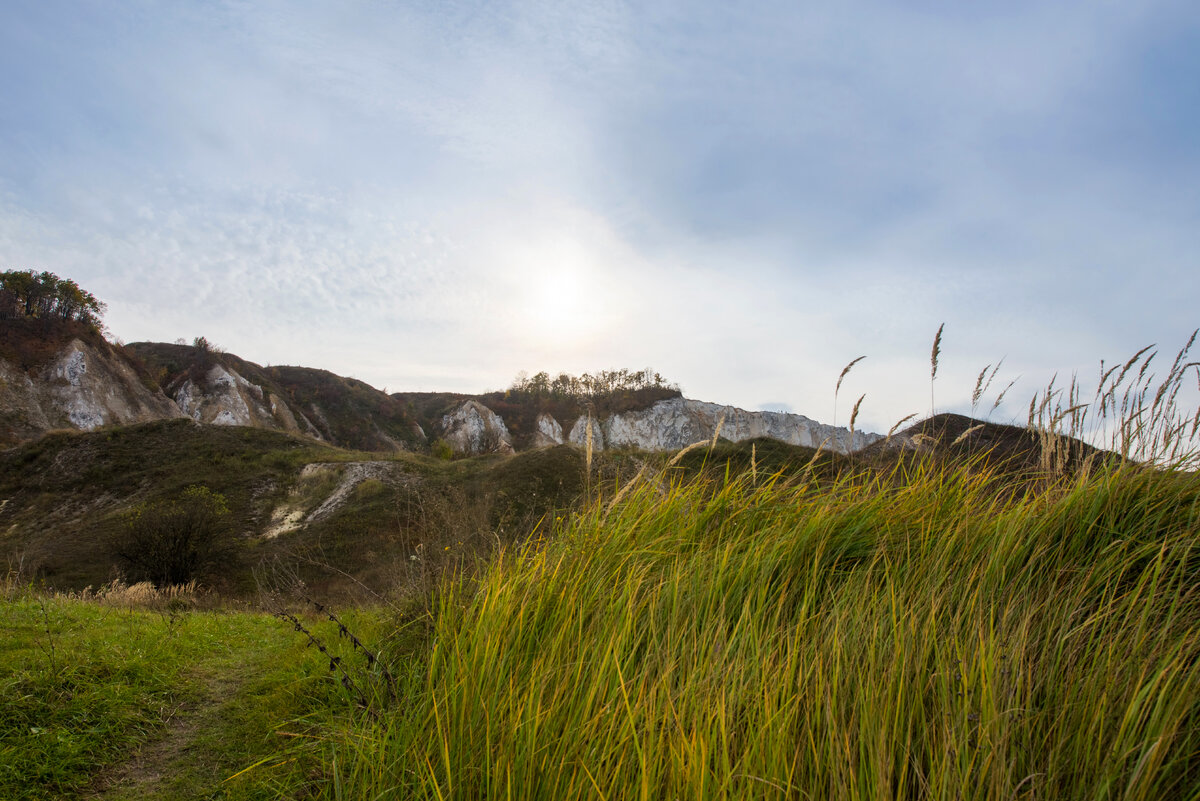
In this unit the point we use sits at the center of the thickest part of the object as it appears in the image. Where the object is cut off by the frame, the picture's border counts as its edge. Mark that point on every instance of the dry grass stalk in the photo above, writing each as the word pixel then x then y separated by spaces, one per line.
pixel 1000 397
pixel 675 459
pixel 588 449
pixel 588 454
pixel 1132 412
pixel 966 433
pixel 846 370
pixel 899 423
pixel 977 393
pixel 936 353
pixel 717 430
pixel 140 595
pixel 983 383
pixel 853 417
pixel 628 486
pixel 934 357
pixel 920 439
pixel 816 455
pixel 838 386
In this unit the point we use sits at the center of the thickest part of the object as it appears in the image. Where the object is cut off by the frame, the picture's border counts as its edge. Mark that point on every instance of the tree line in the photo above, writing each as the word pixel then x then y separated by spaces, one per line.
pixel 589 385
pixel 25 293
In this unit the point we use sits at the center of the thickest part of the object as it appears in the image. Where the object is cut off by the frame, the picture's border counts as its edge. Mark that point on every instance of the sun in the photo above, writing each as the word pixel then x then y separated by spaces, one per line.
pixel 559 294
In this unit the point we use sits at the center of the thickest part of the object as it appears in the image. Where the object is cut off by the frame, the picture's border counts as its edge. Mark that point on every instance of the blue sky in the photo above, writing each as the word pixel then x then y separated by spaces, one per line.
pixel 436 195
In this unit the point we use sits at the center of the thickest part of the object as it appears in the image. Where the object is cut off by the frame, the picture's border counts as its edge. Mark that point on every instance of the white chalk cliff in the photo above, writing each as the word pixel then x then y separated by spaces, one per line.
pixel 473 429
pixel 667 425
pixel 226 398
pixel 678 422
pixel 84 387
pixel 548 432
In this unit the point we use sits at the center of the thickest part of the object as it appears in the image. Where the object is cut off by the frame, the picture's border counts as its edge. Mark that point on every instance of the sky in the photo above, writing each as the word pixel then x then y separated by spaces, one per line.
pixel 742 196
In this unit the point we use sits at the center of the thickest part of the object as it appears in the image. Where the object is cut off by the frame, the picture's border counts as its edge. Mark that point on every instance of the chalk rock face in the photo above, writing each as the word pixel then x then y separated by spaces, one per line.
pixel 84 387
pixel 548 432
pixel 224 398
pixel 474 429
pixel 578 435
pixel 678 422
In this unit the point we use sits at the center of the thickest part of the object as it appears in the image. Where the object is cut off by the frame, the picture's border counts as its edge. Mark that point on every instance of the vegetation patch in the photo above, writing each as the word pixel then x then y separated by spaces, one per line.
pixel 854 639
pixel 134 693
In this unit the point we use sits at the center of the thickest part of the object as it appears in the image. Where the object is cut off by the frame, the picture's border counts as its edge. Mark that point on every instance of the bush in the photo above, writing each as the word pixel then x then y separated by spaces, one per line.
pixel 174 542
pixel 440 449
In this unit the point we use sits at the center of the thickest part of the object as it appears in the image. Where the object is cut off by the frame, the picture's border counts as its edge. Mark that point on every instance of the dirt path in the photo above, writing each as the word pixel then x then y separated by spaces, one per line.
pixel 175 750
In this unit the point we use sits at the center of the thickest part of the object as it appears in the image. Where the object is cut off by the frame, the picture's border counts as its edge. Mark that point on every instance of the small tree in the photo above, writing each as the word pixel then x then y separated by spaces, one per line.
pixel 174 542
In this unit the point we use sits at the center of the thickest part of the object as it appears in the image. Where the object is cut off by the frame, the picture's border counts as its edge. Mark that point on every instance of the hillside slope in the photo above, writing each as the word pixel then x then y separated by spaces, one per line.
pixel 216 387
pixel 342 519
pixel 63 374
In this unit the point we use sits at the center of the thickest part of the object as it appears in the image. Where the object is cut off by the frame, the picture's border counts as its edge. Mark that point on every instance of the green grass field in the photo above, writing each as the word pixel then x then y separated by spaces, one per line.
pixel 708 638
pixel 131 696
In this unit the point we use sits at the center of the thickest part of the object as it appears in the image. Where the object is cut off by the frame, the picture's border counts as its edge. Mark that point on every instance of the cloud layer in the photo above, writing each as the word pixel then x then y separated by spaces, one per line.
pixel 437 195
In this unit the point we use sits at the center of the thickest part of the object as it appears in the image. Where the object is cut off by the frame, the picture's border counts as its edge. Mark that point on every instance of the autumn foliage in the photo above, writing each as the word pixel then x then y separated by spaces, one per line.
pixel 40 312
pixel 24 293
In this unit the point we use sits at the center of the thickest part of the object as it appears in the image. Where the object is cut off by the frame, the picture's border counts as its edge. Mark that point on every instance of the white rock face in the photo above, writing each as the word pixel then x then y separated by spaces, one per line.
pixel 224 399
pixel 290 514
pixel 473 429
pixel 578 435
pixel 678 422
pixel 548 432
pixel 83 388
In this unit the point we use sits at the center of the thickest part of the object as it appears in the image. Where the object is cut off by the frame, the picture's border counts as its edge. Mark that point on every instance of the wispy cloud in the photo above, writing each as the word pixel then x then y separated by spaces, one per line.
pixel 439 194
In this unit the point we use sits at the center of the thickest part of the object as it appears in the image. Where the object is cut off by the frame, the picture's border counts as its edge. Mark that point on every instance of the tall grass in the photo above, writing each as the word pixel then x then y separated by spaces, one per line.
pixel 936 633
pixel 860 638
pixel 1135 411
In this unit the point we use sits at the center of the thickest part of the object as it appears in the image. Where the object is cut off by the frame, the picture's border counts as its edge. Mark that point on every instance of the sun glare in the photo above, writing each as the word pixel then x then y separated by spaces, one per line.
pixel 559 296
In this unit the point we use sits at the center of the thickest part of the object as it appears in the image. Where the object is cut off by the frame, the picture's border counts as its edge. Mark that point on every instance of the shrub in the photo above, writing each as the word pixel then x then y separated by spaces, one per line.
pixel 441 449
pixel 177 541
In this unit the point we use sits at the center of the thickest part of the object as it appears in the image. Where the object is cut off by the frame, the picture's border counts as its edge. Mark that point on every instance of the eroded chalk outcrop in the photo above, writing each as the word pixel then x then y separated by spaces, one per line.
pixel 323 488
pixel 473 429
pixel 668 425
pixel 547 432
pixel 84 387
pixel 678 422
pixel 579 433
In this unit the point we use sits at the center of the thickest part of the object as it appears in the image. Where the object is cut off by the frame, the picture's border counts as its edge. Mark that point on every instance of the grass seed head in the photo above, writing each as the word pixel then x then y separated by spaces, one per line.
pixel 936 353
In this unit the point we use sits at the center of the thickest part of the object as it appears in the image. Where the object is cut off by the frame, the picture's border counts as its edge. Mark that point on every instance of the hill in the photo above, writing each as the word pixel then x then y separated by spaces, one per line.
pixel 342 519
pixel 63 374
pixel 57 370
pixel 213 386
pixel 1007 449
pixel 351 521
